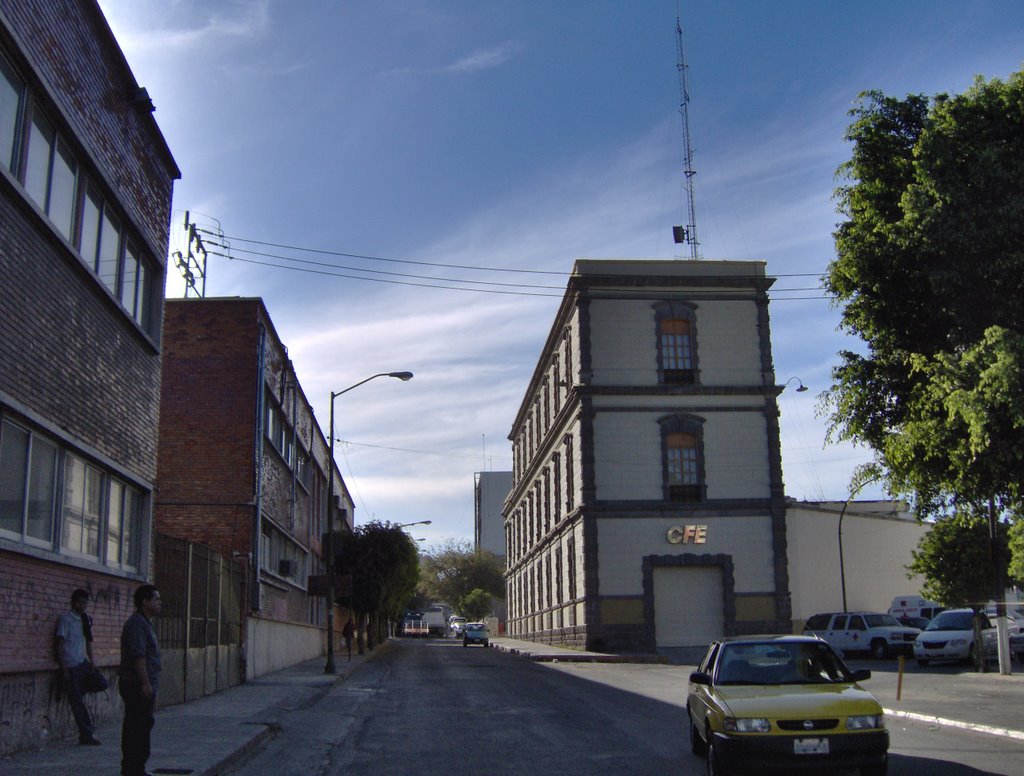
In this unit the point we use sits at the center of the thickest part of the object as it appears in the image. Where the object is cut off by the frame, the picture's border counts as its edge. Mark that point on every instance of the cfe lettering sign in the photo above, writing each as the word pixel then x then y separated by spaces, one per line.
pixel 688 534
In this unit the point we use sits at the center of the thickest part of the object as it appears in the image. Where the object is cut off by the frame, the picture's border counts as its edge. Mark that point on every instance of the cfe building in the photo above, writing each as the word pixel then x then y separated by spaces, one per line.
pixel 647 508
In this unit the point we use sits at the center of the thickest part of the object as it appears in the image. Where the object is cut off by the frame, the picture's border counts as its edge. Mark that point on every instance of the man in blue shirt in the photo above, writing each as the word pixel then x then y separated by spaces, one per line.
pixel 74 652
pixel 140 680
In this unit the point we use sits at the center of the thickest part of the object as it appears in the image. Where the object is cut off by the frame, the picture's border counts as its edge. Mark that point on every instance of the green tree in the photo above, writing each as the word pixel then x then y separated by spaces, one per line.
pixel 453 570
pixel 1015 569
pixel 384 565
pixel 929 274
pixel 949 555
pixel 476 605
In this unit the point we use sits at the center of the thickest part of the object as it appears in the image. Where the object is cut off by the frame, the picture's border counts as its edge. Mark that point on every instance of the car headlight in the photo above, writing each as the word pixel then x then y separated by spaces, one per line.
pixel 751 725
pixel 865 722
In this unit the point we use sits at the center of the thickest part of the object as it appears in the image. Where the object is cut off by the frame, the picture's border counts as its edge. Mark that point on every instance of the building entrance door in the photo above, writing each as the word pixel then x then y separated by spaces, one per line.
pixel 688 605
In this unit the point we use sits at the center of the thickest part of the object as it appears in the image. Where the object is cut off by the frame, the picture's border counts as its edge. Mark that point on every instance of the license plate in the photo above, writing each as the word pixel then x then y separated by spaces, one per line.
pixel 810 746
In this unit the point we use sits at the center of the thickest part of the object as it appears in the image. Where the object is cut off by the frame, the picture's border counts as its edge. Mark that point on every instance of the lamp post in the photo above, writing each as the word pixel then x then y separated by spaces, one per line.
pixel 418 522
pixel 330 667
pixel 800 384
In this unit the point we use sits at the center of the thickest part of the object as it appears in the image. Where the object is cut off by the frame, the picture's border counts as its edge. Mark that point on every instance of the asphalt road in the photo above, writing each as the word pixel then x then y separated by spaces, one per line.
pixel 434 707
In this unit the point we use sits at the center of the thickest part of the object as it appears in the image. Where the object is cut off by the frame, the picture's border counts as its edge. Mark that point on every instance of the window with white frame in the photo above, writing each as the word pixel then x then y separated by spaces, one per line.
pixel 57 500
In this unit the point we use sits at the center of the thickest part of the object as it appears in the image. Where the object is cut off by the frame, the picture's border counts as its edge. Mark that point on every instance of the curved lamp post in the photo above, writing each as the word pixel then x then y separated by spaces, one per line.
pixel 418 522
pixel 800 384
pixel 330 667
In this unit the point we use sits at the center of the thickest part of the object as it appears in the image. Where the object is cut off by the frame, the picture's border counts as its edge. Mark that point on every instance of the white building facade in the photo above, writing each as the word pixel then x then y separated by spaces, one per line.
pixel 647 508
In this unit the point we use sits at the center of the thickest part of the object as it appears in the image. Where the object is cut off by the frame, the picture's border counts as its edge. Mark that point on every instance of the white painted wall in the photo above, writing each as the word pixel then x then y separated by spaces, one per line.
pixel 877 542
pixel 272 645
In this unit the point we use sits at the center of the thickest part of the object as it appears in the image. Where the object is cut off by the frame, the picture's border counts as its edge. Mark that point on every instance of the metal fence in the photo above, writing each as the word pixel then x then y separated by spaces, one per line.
pixel 200 626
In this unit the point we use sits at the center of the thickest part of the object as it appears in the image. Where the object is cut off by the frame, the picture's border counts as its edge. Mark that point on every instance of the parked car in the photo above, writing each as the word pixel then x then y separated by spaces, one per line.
pixel 914 622
pixel 475 633
pixel 783 702
pixel 456 625
pixel 1015 621
pixel 950 636
pixel 1017 646
pixel 880 634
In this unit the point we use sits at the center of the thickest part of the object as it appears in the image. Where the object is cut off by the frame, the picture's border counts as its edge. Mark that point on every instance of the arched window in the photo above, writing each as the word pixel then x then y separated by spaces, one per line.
pixel 683 460
pixel 677 342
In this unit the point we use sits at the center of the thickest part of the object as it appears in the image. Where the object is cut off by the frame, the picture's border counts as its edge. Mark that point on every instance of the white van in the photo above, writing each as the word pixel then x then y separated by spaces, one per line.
pixel 914 606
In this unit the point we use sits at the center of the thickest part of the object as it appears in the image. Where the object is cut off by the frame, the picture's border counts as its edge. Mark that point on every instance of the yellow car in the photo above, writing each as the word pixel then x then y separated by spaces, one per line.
pixel 786 702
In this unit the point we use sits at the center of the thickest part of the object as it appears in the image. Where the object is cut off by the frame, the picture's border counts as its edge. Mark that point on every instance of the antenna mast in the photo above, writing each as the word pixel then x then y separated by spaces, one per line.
pixel 686 234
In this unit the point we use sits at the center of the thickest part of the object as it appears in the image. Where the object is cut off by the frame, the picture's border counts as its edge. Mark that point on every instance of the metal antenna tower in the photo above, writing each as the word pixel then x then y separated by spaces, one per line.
pixel 686 234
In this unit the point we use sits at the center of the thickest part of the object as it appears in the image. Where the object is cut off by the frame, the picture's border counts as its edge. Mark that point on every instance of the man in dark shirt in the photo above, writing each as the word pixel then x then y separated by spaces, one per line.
pixel 139 680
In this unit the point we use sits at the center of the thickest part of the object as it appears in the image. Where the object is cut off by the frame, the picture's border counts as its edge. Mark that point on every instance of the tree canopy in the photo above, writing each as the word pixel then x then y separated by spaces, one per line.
pixel 929 274
pixel 950 555
pixel 450 572
pixel 384 565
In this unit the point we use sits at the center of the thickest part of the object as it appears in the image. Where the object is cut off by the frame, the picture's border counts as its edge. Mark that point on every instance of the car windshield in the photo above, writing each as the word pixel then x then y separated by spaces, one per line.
pixel 951 621
pixel 876 620
pixel 773 663
pixel 475 627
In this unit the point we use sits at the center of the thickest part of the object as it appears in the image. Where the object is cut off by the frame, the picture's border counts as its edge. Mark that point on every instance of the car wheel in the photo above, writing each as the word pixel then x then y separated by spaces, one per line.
pixel 714 761
pixel 922 662
pixel 465 643
pixel 879 649
pixel 697 744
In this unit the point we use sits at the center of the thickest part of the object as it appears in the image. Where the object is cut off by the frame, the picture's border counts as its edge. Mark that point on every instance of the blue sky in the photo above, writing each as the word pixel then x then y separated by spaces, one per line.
pixel 518 135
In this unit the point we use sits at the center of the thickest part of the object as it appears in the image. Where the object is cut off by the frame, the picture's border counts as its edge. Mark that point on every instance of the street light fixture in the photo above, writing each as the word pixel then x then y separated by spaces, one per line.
pixel 800 384
pixel 330 667
pixel 418 522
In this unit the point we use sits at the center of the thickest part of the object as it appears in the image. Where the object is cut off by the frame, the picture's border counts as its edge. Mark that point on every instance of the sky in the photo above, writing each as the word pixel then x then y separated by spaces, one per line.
pixel 406 184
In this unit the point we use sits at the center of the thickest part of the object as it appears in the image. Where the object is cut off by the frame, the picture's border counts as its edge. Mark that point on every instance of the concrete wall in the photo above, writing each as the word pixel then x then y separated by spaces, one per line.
pixel 273 645
pixel 878 538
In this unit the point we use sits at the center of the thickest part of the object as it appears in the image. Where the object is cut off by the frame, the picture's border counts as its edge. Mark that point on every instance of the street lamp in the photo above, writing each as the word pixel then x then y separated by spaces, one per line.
pixel 418 522
pixel 330 667
pixel 800 384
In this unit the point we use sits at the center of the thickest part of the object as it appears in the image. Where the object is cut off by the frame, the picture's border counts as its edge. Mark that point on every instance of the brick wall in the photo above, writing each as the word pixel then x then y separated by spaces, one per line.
pixel 85 73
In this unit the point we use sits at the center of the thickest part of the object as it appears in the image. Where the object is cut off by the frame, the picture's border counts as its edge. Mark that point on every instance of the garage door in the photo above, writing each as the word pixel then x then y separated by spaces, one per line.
pixel 688 605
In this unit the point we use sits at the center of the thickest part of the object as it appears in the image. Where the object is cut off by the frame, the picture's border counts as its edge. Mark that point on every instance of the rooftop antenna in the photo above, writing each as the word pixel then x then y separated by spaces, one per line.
pixel 686 234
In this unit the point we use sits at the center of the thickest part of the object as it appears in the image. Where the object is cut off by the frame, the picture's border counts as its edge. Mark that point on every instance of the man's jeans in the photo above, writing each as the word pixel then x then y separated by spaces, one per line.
pixel 76 698
pixel 135 731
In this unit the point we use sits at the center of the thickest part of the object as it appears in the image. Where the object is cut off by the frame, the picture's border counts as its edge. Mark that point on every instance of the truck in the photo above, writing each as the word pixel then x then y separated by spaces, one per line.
pixel 914 606
pixel 436 620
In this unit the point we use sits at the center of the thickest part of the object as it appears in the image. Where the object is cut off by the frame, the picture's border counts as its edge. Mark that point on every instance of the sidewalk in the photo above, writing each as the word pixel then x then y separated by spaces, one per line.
pixel 204 737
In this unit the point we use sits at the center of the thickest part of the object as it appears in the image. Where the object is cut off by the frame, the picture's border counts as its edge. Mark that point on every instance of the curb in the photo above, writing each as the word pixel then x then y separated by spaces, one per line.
pixel 243 751
pixel 943 722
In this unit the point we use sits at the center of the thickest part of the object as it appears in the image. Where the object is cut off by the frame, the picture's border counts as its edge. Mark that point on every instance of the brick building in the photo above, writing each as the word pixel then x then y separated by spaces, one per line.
pixel 243 469
pixel 647 508
pixel 85 195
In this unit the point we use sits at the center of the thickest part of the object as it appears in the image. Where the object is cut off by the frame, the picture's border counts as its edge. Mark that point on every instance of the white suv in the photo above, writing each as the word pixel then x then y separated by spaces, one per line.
pixel 880 634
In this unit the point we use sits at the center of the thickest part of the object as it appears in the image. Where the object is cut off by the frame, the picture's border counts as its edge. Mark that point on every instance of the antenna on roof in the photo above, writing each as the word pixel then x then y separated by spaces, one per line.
pixel 686 234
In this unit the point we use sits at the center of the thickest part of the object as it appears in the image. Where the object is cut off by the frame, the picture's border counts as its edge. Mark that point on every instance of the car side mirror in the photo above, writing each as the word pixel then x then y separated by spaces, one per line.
pixel 861 675
pixel 699 677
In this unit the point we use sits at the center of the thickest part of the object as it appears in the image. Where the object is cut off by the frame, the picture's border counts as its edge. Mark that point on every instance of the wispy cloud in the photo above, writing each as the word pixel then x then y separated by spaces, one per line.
pixel 474 62
pixel 242 20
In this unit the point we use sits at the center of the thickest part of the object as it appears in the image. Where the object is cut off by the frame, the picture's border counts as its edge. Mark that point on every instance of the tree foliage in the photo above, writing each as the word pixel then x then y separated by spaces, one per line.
pixel 953 558
pixel 476 605
pixel 384 565
pixel 453 570
pixel 929 274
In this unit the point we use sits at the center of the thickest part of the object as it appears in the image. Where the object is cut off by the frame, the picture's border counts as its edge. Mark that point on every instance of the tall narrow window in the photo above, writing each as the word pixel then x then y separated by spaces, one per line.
pixel 570 555
pixel 50 173
pixel 28 467
pixel 83 497
pixel 677 358
pixel 683 478
pixel 10 109
pixel 683 467
pixel 570 479
pixel 556 496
